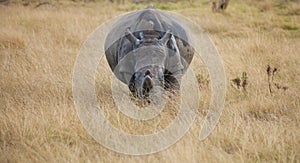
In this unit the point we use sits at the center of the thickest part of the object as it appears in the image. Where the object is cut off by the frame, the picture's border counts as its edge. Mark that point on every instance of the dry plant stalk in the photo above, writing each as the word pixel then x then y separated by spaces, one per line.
pixel 241 82
pixel 269 78
pixel 271 73
pixel 214 7
pixel 245 82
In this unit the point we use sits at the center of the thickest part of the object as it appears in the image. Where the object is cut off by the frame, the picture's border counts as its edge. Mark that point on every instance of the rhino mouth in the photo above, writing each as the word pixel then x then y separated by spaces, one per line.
pixel 147 81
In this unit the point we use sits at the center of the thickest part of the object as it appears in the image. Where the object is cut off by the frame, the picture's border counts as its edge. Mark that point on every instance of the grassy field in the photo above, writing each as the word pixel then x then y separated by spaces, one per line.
pixel 38 48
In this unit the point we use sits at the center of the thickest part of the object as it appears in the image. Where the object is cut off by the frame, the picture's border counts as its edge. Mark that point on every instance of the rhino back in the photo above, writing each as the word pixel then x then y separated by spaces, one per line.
pixel 117 46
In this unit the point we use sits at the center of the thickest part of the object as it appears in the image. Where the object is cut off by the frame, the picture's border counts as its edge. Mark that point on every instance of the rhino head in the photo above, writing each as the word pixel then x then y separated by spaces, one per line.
pixel 150 55
pixel 145 79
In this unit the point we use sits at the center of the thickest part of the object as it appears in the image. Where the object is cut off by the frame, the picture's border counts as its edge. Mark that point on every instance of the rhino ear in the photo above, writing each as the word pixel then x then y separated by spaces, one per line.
pixel 166 37
pixel 131 37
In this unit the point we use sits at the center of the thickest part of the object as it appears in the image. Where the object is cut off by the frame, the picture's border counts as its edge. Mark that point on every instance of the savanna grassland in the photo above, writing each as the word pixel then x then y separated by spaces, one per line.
pixel 38 49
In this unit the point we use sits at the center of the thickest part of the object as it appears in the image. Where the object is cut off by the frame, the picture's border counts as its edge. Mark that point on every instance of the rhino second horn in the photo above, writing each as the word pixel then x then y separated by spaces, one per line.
pixel 131 37
pixel 166 37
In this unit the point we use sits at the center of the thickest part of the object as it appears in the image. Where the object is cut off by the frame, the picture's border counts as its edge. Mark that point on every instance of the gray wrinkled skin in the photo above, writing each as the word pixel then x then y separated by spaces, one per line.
pixel 148 48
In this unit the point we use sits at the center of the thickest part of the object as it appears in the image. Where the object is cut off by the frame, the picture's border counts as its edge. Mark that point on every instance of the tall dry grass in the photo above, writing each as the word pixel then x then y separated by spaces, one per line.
pixel 38 48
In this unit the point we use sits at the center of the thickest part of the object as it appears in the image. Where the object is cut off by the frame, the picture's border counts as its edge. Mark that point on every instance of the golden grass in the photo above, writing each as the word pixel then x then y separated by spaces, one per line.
pixel 38 48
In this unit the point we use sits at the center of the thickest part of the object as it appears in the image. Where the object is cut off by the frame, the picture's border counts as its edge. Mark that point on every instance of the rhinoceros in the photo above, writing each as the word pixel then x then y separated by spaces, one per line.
pixel 148 48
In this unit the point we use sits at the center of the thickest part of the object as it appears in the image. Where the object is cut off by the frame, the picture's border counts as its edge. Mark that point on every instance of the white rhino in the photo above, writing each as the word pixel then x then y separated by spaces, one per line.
pixel 148 48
